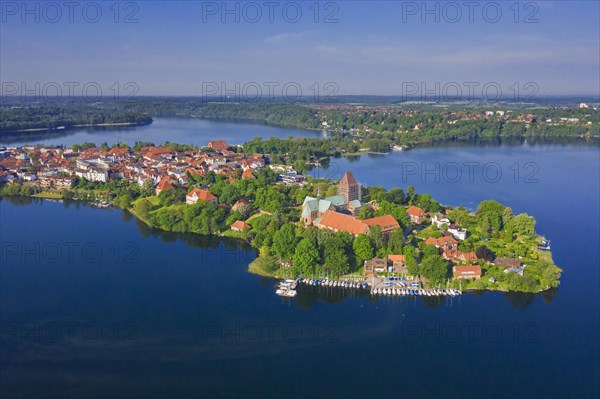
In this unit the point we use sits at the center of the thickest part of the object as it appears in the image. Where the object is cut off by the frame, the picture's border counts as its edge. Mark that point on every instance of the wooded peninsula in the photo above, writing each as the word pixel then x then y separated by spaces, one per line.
pixel 298 225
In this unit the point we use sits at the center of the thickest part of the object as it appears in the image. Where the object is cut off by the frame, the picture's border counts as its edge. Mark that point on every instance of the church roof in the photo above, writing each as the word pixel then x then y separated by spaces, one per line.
pixel 356 203
pixel 337 200
pixel 312 204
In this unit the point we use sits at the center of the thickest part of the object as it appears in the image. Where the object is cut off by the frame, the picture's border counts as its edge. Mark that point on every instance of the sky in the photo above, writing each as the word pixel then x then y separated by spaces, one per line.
pixel 267 48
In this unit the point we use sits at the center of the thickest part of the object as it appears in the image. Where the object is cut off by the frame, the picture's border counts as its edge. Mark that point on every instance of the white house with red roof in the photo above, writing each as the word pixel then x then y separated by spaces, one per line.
pixel 199 195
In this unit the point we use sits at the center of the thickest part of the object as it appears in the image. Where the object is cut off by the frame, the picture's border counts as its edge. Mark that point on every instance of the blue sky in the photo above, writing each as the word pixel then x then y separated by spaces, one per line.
pixel 369 47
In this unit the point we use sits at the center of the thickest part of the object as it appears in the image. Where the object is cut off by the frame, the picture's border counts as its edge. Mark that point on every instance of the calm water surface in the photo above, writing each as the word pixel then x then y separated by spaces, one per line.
pixel 176 130
pixel 95 304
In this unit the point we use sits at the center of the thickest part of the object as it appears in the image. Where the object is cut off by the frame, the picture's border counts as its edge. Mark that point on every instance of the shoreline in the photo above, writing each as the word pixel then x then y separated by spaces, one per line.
pixel 254 266
pixel 67 128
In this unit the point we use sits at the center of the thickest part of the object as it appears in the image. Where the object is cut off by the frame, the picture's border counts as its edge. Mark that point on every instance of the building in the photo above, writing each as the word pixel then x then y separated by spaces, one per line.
pixel 508 263
pixel 449 248
pixel 347 200
pixel 247 174
pixel 240 205
pixel 164 185
pixel 439 220
pixel 457 232
pixel 467 272
pixel 218 145
pixel 291 178
pixel 199 195
pixel 398 264
pixel 337 221
pixel 415 214
pixel 459 256
pixel 239 225
pixel 446 243
pixel 387 223
pixel 313 209
pixel 375 265
pixel 341 222
pixel 93 174
pixel 349 188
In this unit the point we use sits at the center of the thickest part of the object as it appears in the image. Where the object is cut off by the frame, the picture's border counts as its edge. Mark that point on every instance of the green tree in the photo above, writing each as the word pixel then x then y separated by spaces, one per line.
pixel 396 196
pixel 377 238
pixel 125 201
pixel 430 250
pixel 363 249
pixel 524 224
pixel 434 268
pixel 365 213
pixel 143 208
pixel 306 257
pixel 411 261
pixel 493 211
pixel 485 226
pixel 410 192
pixel 396 242
pixel 284 241
pixel 336 259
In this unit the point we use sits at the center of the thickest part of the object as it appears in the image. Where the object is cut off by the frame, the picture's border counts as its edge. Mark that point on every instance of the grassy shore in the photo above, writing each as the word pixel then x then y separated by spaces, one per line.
pixel 48 195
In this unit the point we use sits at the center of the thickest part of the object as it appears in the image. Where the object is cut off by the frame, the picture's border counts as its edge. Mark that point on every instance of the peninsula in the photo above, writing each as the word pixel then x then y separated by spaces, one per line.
pixel 300 226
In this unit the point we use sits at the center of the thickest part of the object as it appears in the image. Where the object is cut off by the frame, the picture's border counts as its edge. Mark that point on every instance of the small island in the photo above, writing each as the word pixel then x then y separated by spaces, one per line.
pixel 300 226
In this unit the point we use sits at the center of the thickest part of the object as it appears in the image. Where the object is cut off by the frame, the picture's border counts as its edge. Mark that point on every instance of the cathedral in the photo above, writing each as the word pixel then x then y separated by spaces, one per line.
pixel 347 201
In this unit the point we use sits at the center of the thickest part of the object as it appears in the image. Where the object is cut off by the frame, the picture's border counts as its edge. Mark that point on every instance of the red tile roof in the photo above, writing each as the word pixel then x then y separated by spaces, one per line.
pixel 202 195
pixel 431 241
pixel 387 223
pixel 396 258
pixel 467 271
pixel 447 240
pixel 348 179
pixel 415 211
pixel 339 221
pixel 164 184
pixel 240 225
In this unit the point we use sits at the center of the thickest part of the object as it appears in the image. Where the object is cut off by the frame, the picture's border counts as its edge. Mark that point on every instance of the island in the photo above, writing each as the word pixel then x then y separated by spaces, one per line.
pixel 300 226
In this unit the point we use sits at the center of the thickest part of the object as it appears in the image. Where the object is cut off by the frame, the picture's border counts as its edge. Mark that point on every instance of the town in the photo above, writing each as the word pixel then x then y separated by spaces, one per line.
pixel 328 232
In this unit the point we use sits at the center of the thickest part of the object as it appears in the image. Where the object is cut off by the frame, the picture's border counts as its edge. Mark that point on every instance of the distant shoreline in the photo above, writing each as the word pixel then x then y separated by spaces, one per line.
pixel 66 128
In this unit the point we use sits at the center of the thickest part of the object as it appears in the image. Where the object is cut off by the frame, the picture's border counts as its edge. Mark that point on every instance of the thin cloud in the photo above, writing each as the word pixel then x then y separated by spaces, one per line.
pixel 286 37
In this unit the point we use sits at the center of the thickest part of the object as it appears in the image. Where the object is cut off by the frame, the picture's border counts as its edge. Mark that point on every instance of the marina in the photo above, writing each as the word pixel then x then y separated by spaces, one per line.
pixel 392 287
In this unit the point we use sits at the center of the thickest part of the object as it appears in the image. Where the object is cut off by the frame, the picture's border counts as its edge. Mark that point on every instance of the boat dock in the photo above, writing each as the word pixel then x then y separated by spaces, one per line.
pixel 383 287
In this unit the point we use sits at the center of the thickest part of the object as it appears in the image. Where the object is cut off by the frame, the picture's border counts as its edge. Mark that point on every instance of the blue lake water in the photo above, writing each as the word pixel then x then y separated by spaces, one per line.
pixel 177 130
pixel 95 304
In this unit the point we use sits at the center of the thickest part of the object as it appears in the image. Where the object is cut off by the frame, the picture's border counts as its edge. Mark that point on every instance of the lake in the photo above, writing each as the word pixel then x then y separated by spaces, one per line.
pixel 177 130
pixel 96 304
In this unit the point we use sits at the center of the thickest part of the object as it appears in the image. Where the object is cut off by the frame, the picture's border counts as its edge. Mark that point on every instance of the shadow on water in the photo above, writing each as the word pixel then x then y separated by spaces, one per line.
pixel 193 240
pixel 522 300
pixel 308 296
